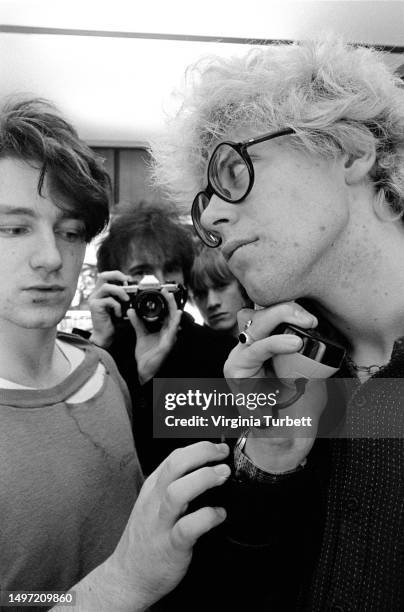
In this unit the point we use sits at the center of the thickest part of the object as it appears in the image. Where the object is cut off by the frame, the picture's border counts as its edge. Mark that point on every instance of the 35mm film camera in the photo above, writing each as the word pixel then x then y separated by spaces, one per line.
pixel 150 305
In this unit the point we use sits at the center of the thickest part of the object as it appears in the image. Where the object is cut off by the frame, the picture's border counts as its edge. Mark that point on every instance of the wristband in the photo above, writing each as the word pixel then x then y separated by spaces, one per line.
pixel 245 468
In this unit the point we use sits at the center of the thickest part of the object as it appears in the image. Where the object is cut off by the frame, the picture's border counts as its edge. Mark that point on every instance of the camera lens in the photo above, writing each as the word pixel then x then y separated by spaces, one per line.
pixel 151 306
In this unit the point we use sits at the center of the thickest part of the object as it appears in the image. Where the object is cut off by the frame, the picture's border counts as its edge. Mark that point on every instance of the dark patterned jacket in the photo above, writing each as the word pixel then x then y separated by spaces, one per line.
pixel 330 536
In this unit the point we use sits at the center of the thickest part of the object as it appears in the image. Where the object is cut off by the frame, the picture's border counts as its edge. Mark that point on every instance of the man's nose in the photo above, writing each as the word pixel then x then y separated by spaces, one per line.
pixel 213 299
pixel 46 253
pixel 217 213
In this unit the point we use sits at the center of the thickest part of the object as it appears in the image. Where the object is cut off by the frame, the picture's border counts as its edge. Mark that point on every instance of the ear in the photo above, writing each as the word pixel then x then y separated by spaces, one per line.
pixel 357 166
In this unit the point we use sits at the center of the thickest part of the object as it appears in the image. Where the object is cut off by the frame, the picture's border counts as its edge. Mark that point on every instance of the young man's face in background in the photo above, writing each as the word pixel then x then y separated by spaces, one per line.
pixel 219 305
pixel 144 261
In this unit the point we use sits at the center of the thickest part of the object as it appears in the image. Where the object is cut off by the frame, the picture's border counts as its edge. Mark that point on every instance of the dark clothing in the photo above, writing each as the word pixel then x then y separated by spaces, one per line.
pixel 199 352
pixel 256 559
pixel 330 536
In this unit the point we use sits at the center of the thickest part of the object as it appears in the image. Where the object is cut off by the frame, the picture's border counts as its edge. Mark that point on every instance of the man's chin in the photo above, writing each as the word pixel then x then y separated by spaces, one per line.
pixel 264 299
pixel 44 319
pixel 38 324
pixel 264 292
pixel 222 328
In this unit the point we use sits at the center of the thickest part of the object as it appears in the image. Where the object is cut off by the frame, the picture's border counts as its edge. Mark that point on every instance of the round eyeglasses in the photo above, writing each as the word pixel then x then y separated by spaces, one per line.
pixel 230 177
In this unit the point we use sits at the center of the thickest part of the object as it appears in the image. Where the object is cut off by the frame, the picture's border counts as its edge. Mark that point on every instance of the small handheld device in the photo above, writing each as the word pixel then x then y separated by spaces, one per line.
pixel 149 303
pixel 317 358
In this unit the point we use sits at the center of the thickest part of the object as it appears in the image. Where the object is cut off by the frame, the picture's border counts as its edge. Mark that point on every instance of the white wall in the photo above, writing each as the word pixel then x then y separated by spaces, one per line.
pixel 118 89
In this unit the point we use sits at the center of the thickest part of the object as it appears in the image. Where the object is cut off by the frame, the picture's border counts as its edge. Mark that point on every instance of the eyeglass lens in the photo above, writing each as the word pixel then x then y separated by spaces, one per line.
pixel 228 173
pixel 200 203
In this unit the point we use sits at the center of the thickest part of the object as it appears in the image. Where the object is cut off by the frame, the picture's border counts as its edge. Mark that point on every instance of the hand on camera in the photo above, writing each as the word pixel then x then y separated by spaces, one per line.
pixel 276 448
pixel 156 547
pixel 152 348
pixel 105 300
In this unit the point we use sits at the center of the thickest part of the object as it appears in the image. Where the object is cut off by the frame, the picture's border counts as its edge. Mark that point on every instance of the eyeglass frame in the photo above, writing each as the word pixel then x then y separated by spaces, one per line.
pixel 241 149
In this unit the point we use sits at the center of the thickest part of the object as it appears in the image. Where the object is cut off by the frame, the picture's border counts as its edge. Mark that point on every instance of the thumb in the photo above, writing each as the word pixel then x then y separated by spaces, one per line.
pixel 136 323
pixel 172 326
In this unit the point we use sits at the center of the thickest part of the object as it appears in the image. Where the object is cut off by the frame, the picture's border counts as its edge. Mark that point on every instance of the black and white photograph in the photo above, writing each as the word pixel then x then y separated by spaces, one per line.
pixel 202 393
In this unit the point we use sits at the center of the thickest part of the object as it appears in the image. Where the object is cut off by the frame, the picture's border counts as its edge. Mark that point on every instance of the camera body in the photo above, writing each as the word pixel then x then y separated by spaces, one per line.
pixel 150 305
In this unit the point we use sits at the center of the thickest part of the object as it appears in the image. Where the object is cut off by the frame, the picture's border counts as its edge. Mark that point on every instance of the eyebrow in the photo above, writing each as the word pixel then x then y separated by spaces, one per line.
pixel 142 265
pixel 6 209
pixel 154 264
pixel 13 210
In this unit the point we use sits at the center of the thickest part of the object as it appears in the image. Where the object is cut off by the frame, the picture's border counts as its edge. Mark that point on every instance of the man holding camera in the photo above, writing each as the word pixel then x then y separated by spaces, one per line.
pixel 156 338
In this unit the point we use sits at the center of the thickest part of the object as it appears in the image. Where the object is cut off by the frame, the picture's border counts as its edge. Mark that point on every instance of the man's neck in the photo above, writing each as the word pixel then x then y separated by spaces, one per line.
pixel 31 358
pixel 368 307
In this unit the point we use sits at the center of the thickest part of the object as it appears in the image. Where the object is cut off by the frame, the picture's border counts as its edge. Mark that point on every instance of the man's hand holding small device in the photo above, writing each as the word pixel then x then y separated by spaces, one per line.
pixel 267 447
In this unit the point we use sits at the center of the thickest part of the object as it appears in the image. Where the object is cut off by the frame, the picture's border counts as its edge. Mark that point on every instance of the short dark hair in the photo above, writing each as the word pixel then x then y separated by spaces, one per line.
pixel 154 228
pixel 34 131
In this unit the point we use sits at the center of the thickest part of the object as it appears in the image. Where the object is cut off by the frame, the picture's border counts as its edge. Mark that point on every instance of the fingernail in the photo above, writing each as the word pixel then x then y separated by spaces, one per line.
pixel 293 341
pixel 306 318
pixel 222 470
pixel 222 448
pixel 221 512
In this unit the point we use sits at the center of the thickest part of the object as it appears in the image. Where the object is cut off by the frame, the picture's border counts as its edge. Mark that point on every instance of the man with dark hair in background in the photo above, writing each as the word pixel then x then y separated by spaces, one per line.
pixel 149 239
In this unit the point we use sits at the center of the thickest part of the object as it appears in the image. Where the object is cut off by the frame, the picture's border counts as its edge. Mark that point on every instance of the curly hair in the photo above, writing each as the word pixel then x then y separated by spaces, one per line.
pixel 34 131
pixel 150 228
pixel 339 98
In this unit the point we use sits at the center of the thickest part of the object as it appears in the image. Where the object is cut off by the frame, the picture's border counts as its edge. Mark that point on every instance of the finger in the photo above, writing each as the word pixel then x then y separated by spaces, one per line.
pixel 107 289
pixel 105 306
pixel 243 316
pixel 173 310
pixel 137 323
pixel 189 528
pixel 246 358
pixel 182 491
pixel 264 349
pixel 170 328
pixel 113 275
pixel 184 460
pixel 172 304
pixel 173 320
pixel 264 321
